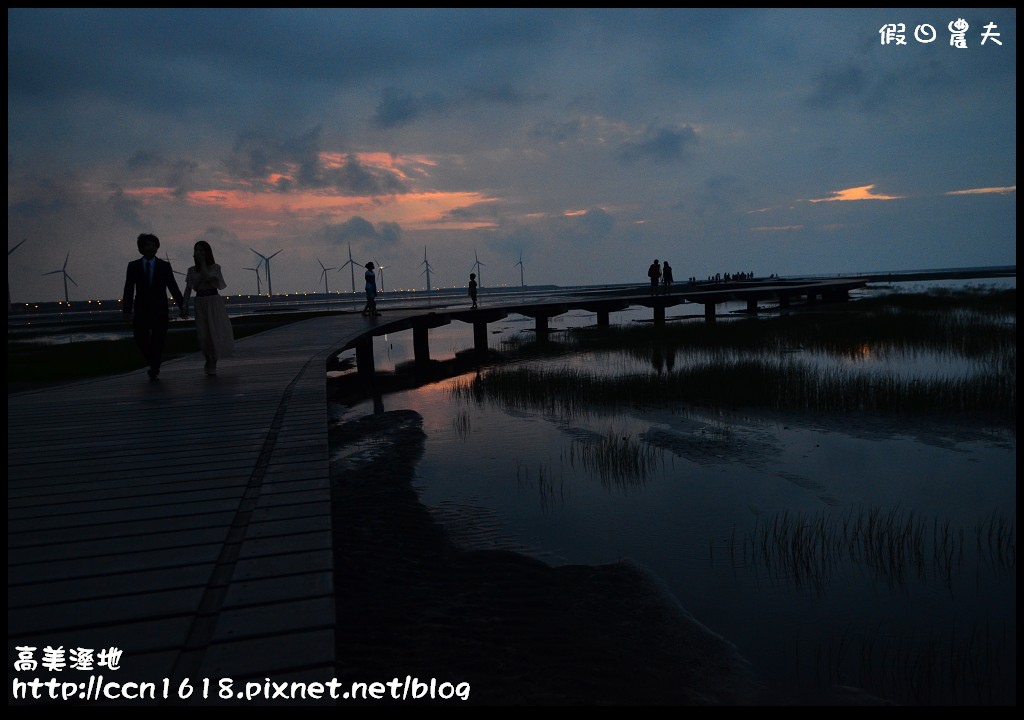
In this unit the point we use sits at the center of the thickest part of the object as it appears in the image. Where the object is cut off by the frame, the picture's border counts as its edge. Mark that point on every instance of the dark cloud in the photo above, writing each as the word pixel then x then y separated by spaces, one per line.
pixel 304 150
pixel 144 159
pixel 397 108
pixel 45 197
pixel 254 158
pixel 495 93
pixel 179 175
pixel 360 229
pixel 355 178
pixel 557 131
pixel 126 208
pixel 836 86
pixel 665 145
pixel 251 157
pixel 588 227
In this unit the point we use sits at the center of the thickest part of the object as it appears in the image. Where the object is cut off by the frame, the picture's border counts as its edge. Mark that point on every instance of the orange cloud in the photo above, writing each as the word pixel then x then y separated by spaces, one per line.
pixel 400 165
pixel 151 194
pixel 858 193
pixel 985 191
pixel 411 210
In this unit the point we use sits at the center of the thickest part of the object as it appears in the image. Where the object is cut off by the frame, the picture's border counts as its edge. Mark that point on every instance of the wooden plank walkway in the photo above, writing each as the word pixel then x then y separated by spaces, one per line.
pixel 186 522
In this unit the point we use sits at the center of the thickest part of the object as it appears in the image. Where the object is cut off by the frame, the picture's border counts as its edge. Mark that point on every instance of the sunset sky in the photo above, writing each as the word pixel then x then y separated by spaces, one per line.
pixel 583 142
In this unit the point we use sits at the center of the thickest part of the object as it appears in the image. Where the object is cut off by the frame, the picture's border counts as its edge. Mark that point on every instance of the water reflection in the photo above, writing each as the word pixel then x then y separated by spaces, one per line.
pixel 831 549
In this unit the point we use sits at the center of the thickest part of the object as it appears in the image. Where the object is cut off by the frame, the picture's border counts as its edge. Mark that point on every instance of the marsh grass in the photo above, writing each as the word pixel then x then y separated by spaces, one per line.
pixel 772 383
pixel 950 666
pixel 617 460
pixel 462 424
pixel 746 363
pixel 892 545
pixel 549 484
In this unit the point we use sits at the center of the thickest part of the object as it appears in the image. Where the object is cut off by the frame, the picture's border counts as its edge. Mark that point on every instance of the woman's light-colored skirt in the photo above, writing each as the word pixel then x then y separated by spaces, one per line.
pixel 213 327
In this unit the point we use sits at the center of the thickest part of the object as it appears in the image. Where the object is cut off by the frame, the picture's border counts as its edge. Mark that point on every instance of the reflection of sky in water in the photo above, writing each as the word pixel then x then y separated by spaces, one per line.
pixel 513 479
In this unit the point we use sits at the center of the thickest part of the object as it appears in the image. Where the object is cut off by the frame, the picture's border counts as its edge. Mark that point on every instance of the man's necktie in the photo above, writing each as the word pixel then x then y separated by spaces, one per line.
pixel 149 271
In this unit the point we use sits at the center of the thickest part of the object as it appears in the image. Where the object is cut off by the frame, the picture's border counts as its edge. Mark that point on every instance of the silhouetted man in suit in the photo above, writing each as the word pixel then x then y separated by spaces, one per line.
pixel 144 303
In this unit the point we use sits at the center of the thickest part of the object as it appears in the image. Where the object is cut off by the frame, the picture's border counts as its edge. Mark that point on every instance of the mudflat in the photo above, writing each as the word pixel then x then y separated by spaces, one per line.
pixel 518 631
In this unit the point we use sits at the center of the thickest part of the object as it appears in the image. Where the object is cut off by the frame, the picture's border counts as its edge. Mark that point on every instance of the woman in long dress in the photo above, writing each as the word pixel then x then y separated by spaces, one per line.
pixel 370 277
pixel 213 327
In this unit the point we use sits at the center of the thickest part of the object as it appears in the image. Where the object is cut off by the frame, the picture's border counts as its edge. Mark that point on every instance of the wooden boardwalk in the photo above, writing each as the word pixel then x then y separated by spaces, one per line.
pixel 187 522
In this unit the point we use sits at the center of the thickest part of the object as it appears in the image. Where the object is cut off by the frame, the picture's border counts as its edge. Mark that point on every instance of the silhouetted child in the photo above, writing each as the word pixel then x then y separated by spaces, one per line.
pixel 472 289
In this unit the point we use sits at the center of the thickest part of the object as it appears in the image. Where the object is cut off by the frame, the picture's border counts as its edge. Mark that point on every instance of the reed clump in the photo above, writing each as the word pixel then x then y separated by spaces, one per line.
pixel 617 459
pixel 891 545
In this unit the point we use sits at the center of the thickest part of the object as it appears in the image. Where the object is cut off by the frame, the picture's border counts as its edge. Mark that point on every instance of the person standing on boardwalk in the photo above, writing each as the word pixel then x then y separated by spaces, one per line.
pixel 370 276
pixel 472 289
pixel 654 273
pixel 144 301
pixel 213 327
pixel 666 277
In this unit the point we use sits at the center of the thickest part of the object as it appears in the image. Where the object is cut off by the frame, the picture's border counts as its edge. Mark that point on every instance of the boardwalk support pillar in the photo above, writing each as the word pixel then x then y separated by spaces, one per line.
pixel 709 312
pixel 364 356
pixel 480 338
pixel 421 345
pixel 542 327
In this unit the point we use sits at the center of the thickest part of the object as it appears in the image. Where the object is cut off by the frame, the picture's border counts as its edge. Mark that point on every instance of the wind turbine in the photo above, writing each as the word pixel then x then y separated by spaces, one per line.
pixel 324 275
pixel 259 290
pixel 266 261
pixel 426 268
pixel 353 263
pixel 9 305
pixel 64 271
pixel 522 282
pixel 478 265
pixel 381 268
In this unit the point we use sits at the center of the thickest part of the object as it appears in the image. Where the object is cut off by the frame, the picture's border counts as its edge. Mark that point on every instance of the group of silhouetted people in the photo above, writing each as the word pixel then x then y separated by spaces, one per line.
pixel 719 277
pixel 660 275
